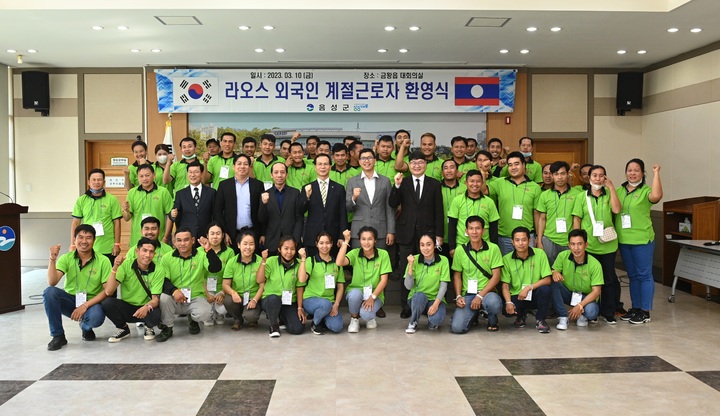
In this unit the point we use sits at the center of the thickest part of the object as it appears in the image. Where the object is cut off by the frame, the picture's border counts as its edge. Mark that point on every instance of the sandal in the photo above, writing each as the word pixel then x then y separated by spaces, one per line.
pixel 237 326
pixel 493 328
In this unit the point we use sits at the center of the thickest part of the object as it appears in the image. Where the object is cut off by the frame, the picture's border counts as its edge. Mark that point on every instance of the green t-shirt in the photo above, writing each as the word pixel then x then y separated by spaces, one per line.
pixel 243 276
pixel 579 277
pixel 386 168
pixel 636 204
pixel 433 169
pixel 465 167
pixel 555 205
pixel 220 169
pixel 317 269
pixel 448 195
pixel 279 277
pixel 104 209
pixel 428 277
pixel 132 290
pixel 298 177
pixel 508 195
pixel 342 177
pixel 187 273
pixel 178 171
pixel 159 170
pixel 157 203
pixel 88 278
pixel 134 181
pixel 263 172
pixel 159 252
pixel 224 255
pixel 518 273
pixel 488 257
pixel 463 207
pixel 532 170
pixel 603 212
pixel 367 272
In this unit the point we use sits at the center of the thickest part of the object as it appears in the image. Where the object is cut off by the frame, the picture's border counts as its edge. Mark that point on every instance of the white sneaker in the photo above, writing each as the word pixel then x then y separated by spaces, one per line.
pixel 219 318
pixel 371 324
pixel 582 321
pixel 354 325
pixel 209 323
pixel 412 327
pixel 562 323
pixel 149 334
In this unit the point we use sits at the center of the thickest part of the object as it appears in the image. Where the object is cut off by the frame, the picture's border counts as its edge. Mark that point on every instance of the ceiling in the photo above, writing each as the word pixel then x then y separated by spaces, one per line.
pixel 321 33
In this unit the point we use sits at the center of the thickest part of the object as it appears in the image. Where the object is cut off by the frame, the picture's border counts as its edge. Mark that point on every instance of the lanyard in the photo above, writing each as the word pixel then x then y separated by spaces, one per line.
pixel 364 270
pixel 557 204
pixel 244 280
pixel 424 273
pixel 578 277
pixel 182 267
pixel 90 273
pixel 522 201
pixel 626 209
pixel 284 272
pixel 98 212
pixel 517 271
pixel 472 206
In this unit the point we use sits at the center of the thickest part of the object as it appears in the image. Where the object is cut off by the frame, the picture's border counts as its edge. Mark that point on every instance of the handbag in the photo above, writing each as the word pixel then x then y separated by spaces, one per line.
pixel 609 233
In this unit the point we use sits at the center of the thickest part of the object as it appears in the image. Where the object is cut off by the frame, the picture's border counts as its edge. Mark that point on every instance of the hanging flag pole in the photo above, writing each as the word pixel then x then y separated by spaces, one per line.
pixel 168 139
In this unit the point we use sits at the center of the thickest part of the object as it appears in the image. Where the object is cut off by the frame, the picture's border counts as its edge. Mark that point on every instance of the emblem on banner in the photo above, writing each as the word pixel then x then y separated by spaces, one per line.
pixel 477 91
pixel 195 91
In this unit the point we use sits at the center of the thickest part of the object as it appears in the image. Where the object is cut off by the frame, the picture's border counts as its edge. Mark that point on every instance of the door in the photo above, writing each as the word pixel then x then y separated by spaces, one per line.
pixel 568 150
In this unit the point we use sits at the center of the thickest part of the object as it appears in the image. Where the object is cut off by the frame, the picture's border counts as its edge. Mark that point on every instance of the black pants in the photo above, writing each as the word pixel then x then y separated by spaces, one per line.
pixel 120 313
pixel 611 287
pixel 540 300
pixel 273 307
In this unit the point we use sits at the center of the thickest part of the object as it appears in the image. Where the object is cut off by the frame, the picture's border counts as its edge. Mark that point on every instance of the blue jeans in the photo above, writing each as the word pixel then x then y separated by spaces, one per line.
pixel 460 320
pixel 638 259
pixel 419 305
pixel 355 299
pixel 561 296
pixel 58 303
pixel 540 301
pixel 505 244
pixel 320 309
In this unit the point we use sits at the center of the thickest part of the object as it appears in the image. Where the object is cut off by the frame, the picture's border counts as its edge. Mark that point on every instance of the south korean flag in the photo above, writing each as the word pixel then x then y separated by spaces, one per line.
pixel 195 91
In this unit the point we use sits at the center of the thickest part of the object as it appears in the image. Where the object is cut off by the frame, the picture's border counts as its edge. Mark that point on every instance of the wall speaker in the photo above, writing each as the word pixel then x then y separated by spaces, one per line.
pixel 36 91
pixel 629 91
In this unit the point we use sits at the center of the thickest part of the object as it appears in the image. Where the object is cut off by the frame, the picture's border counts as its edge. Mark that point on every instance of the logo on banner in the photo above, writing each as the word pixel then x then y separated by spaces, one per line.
pixel 7 238
pixel 195 91
pixel 477 91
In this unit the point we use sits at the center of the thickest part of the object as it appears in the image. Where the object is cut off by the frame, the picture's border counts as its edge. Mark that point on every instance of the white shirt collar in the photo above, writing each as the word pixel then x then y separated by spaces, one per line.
pixel 374 175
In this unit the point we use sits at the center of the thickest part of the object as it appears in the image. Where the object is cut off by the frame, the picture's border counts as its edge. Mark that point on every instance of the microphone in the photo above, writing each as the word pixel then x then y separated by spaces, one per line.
pixel 9 197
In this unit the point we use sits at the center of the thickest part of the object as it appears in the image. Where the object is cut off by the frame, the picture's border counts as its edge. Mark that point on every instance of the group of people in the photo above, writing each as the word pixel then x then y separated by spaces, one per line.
pixel 294 234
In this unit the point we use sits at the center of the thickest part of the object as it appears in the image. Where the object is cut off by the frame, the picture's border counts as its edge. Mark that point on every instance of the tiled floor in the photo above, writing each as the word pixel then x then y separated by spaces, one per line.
pixel 670 365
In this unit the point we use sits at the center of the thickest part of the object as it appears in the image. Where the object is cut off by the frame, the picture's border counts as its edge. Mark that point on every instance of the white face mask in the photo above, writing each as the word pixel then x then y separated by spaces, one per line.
pixel 192 156
pixel 596 187
pixel 162 159
pixel 528 154
pixel 634 184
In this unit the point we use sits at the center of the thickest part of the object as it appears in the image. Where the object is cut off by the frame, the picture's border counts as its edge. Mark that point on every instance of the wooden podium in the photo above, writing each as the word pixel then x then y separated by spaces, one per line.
pixel 10 287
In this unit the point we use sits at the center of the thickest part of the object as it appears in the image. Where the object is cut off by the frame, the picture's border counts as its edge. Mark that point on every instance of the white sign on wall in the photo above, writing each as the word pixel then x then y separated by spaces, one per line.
pixel 118 161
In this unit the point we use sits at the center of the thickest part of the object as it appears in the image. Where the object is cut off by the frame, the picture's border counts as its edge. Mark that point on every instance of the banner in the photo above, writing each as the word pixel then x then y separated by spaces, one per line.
pixel 335 91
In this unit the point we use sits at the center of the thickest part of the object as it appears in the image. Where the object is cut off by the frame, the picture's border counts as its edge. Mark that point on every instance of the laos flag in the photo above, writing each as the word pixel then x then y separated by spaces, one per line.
pixel 195 91
pixel 477 91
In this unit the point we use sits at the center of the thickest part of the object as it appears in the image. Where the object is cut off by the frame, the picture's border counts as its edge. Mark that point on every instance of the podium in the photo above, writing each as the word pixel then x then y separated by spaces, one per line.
pixel 10 287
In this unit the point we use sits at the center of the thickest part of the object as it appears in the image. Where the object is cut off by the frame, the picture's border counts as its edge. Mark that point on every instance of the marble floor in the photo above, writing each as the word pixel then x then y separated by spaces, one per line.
pixel 668 366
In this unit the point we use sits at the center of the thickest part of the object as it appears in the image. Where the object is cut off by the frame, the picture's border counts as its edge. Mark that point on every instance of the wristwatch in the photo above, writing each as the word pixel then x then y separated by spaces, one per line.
pixel 373 296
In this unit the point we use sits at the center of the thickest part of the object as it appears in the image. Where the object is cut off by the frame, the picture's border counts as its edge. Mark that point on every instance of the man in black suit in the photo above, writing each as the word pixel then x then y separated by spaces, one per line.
pixel 193 204
pixel 421 212
pixel 281 210
pixel 325 205
pixel 238 200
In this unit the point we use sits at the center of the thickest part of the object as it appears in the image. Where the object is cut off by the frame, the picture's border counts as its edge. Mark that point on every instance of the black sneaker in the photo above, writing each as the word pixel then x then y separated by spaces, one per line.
pixel 542 327
pixel 640 317
pixel 193 326
pixel 610 320
pixel 165 334
pixel 629 314
pixel 57 342
pixel 88 335
pixel 405 313
pixel 318 329
pixel 519 322
pixel 120 335
pixel 274 331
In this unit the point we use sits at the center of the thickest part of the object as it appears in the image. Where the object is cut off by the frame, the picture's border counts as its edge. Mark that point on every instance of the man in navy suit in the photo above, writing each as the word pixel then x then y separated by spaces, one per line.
pixel 193 204
pixel 325 205
pixel 422 211
pixel 281 210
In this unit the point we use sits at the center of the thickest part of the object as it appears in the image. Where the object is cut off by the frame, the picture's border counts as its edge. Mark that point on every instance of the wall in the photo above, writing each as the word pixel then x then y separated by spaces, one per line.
pixel 4 133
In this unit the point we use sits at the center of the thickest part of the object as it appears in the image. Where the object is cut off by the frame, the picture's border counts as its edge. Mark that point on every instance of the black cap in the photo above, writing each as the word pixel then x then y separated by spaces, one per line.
pixel 213 140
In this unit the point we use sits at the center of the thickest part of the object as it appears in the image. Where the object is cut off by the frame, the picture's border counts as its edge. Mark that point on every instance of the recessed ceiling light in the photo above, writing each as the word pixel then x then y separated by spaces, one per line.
pixel 504 51
pixel 11 51
pixel 556 29
pixel 642 52
pixel 279 50
pixel 122 28
pixel 525 51
pixel 531 29
pixel 156 50
pixel 382 50
pixel 389 28
pixel 403 50
pixel 268 27
pixel 97 28
pixel 673 30
pixel 621 52
pixel 696 30
pixel 243 27
pixel 259 50
pixel 32 50
pixel 135 50
pixel 414 28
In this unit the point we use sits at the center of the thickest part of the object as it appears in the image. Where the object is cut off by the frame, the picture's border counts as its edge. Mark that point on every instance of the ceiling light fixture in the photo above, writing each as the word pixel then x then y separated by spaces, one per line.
pixel 382 50
pixel 268 27
pixel 389 28
pixel 622 52
pixel 122 28
pixel 555 29
pixel 673 30
pixel 414 28
pixel 97 28
pixel 259 50
pixel 403 50
pixel 279 50
pixel 11 51
pixel 19 59
pixel 32 50
pixel 531 29
pixel 696 30
pixel 523 51
pixel 243 27
pixel 156 50
pixel 504 51
pixel 642 52
pixel 135 50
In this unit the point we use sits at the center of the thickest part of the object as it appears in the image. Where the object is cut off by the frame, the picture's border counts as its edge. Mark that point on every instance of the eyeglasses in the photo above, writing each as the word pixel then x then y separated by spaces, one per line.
pixel 367 158
pixel 417 162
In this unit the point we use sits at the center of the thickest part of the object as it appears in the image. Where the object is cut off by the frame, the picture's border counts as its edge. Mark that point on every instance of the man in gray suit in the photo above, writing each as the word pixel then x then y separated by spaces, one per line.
pixel 367 196
pixel 281 210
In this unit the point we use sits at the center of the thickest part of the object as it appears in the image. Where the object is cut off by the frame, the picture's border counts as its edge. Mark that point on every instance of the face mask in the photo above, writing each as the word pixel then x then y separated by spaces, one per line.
pixel 597 187
pixel 189 157
pixel 96 192
pixel 528 154
pixel 634 184
pixel 162 159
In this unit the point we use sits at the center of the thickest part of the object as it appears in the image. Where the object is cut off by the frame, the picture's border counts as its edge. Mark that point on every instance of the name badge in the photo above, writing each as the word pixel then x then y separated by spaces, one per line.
pixel 576 298
pixel 99 230
pixel 287 297
pixel 267 185
pixel 598 228
pixel 146 215
pixel 625 220
pixel 118 291
pixel 329 281
pixel 517 212
pixel 561 225
pixel 80 298
pixel 211 284
pixel 529 294
pixel 224 172
pixel 472 286
pixel 187 293
pixel 246 298
pixel 367 292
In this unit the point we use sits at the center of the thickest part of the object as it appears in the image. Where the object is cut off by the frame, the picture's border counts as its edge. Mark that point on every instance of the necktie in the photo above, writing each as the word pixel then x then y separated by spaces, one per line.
pixel 417 188
pixel 196 197
pixel 323 192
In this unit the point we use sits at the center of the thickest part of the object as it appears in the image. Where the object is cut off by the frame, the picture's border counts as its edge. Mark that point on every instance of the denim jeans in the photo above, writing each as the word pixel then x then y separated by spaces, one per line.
pixel 540 301
pixel 275 310
pixel 638 259
pixel 420 304
pixel 460 320
pixel 611 288
pixel 58 303
pixel 355 299
pixel 198 309
pixel 561 296
pixel 320 309
pixel 505 244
